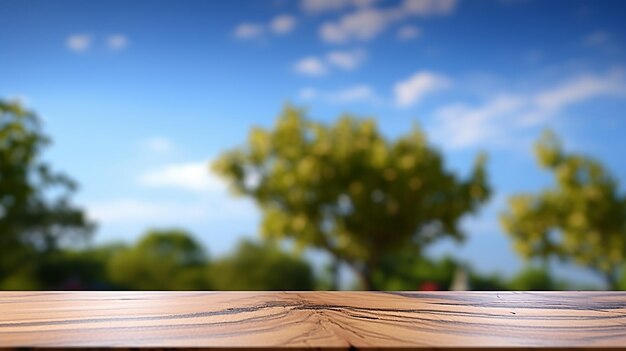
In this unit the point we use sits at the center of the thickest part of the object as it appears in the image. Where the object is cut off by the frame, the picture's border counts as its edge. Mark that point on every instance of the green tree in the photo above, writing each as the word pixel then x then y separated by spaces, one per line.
pixel 410 271
pixel 621 284
pixel 346 189
pixel 261 266
pixel 84 269
pixel 35 211
pixel 486 282
pixel 535 279
pixel 161 260
pixel 581 219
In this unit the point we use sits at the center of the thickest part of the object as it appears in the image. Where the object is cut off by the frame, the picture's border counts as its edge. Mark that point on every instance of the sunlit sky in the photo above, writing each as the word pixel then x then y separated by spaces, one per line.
pixel 139 96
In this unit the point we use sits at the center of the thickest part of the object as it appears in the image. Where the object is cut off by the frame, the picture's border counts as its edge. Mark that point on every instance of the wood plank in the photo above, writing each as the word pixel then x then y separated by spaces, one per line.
pixel 333 320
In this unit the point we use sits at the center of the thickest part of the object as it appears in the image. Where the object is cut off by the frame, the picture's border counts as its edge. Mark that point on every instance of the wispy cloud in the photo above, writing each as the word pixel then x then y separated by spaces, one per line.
pixel 408 32
pixel 459 125
pixel 192 176
pixel 500 121
pixel 346 60
pixel 279 25
pixel 248 31
pixel 357 93
pixel 367 22
pixel 131 209
pixel 283 24
pixel 574 90
pixel 322 6
pixel 150 213
pixel 311 66
pixel 411 90
pixel 117 42
pixel 429 7
pixel 83 42
pixel 194 195
pixel 78 42
pixel 360 93
pixel 359 26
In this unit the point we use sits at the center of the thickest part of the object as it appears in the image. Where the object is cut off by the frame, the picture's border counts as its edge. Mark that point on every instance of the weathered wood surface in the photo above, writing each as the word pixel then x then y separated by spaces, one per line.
pixel 586 320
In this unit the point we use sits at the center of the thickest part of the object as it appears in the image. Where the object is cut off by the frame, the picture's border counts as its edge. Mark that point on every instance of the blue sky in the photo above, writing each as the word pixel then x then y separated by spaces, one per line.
pixel 139 96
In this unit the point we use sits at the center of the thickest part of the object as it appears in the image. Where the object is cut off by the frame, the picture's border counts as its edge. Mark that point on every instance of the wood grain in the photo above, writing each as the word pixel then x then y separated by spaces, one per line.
pixel 333 320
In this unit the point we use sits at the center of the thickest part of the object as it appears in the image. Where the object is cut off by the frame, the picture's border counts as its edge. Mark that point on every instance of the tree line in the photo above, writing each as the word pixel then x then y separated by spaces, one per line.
pixel 371 203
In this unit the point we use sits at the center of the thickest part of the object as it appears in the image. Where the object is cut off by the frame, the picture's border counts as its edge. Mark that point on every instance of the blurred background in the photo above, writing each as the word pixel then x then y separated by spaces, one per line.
pixel 312 145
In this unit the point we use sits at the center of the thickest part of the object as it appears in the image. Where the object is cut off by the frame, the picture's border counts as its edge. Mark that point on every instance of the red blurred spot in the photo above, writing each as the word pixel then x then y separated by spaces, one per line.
pixel 429 286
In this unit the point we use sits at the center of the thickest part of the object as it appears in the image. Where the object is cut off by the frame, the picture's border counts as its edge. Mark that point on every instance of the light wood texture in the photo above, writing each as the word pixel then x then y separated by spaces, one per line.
pixel 452 320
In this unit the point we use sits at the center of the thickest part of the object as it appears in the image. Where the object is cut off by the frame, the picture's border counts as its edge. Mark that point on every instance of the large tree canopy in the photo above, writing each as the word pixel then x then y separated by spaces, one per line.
pixel 346 189
pixel 35 211
pixel 582 218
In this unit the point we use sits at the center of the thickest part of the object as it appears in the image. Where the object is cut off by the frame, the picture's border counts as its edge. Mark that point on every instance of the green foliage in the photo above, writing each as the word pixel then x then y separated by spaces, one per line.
pixel 162 260
pixel 582 219
pixel 406 271
pixel 261 266
pixel 621 284
pixel 78 269
pixel 410 271
pixel 491 282
pixel 22 278
pixel 535 279
pixel 346 189
pixel 35 211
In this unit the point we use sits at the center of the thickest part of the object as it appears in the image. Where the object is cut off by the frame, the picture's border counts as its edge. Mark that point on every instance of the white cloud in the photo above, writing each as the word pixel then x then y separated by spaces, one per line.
pixel 429 7
pixel 159 144
pixel 78 42
pixel 503 120
pixel 410 91
pixel 151 213
pixel 248 31
pixel 321 6
pixel 352 94
pixel 283 24
pixel 408 32
pixel 357 93
pixel 310 66
pixel 129 210
pixel 347 60
pixel 279 25
pixel 361 25
pixel 117 42
pixel 597 38
pixel 367 22
pixel 460 125
pixel 581 88
pixel 578 89
pixel 193 176
pixel 199 195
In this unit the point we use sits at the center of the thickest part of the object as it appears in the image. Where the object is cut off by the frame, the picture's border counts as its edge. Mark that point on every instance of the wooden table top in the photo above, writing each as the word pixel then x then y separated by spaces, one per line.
pixel 331 320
